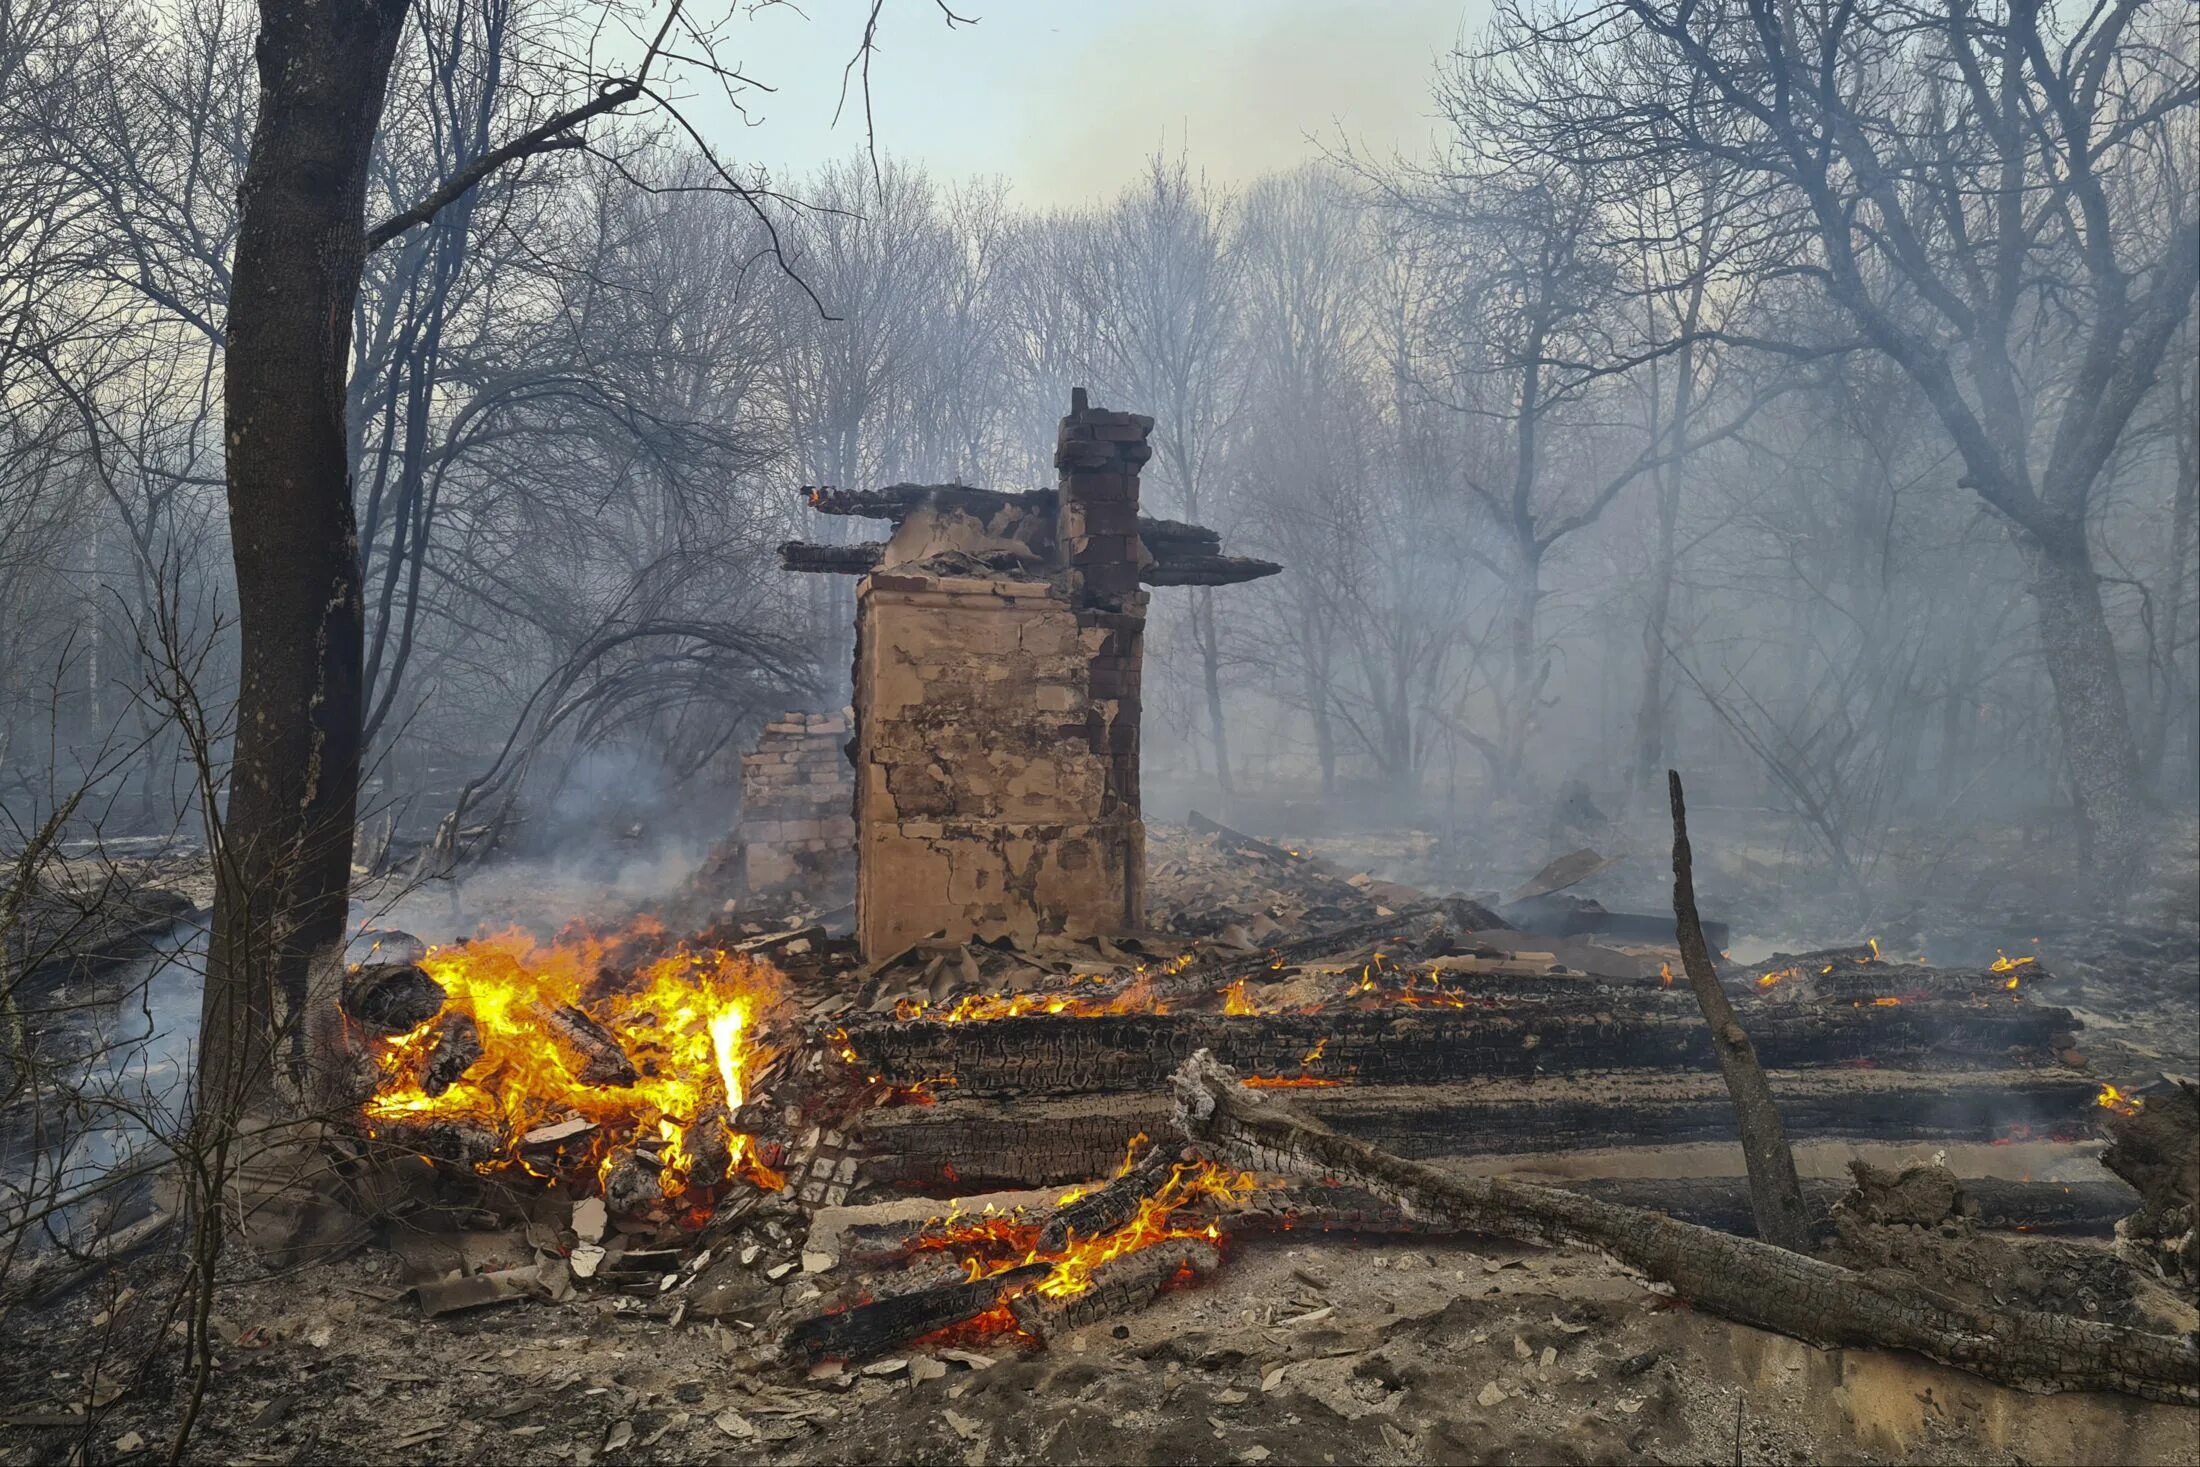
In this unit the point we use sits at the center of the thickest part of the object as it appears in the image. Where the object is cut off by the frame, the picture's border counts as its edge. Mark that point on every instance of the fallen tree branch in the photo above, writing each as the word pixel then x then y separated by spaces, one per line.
pixel 1735 1278
pixel 1775 1192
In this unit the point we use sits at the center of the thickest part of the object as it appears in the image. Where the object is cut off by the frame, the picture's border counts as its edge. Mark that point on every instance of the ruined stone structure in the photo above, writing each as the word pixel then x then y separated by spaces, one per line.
pixel 998 639
pixel 796 832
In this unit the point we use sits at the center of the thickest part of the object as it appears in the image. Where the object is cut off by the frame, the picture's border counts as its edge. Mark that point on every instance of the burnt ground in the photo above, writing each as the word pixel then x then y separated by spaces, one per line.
pixel 1315 1349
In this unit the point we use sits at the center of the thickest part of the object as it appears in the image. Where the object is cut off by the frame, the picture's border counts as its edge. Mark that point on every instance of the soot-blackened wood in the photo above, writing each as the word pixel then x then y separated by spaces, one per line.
pixel 1122 1285
pixel 1775 1192
pixel 1736 1278
pixel 2080 1209
pixel 457 1049
pixel 282 873
pixel 1543 1033
pixel 603 1061
pixel 392 998
pixel 1108 1207
pixel 961 1145
pixel 864 1330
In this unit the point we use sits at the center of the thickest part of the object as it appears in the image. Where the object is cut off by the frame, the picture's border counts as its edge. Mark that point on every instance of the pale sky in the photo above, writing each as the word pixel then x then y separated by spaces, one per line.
pixel 1067 98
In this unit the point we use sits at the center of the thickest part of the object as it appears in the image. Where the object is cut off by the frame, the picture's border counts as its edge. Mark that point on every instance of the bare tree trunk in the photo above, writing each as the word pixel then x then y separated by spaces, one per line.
pixel 1775 1192
pixel 1522 591
pixel 1210 666
pixel 1650 712
pixel 2098 748
pixel 284 877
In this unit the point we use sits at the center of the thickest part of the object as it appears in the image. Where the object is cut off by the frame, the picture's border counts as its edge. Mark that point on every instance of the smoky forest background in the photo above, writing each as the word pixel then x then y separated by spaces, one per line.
pixel 1802 396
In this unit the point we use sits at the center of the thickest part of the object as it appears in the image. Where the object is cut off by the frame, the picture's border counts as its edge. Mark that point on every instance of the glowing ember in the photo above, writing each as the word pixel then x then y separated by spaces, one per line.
pixel 2113 1099
pixel 686 1023
pixel 1138 998
pixel 1886 1003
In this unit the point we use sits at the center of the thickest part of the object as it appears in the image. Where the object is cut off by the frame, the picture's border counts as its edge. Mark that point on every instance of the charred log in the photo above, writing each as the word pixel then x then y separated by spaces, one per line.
pixel 1735 1278
pixel 457 1049
pixel 2156 1148
pixel 1108 1208
pixel 963 1144
pixel 391 998
pixel 864 1330
pixel 1393 1044
pixel 1122 1285
pixel 603 1062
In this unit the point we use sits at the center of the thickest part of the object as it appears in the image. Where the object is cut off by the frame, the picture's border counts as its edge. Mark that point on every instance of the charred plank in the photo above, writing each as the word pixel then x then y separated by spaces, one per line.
pixel 864 1330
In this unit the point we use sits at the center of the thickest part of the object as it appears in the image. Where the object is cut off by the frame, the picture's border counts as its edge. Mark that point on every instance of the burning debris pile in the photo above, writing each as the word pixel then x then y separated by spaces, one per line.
pixel 616 1065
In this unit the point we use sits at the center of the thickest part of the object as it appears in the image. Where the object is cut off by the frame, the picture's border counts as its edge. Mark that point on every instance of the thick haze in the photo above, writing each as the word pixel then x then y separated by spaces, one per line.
pixel 1066 102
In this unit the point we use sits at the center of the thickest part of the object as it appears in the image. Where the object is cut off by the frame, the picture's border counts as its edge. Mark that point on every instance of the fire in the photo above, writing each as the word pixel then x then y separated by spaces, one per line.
pixel 1665 974
pixel 2003 963
pixel 1000 1242
pixel 1875 948
pixel 1783 974
pixel 1235 1000
pixel 687 1023
pixel 1886 1003
pixel 1137 998
pixel 2113 1099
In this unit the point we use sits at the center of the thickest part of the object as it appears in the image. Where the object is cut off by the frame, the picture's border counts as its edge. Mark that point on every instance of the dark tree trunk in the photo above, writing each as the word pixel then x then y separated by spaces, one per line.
pixel 1210 667
pixel 283 877
pixel 1775 1194
pixel 2098 749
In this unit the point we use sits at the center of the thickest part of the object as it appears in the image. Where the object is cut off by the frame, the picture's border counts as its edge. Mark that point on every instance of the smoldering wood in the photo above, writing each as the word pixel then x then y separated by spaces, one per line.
pixel 1122 1285
pixel 456 1050
pixel 2071 1209
pixel 1393 1043
pixel 392 998
pixel 603 1061
pixel 862 1331
pixel 1775 1192
pixel 442 1138
pixel 1109 1207
pixel 2157 1150
pixel 964 1143
pixel 1736 1278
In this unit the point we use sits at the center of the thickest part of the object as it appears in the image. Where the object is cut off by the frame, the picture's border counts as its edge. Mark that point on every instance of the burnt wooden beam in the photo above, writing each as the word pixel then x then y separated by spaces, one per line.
pixel 959 1145
pixel 1204 570
pixel 873 1328
pixel 831 560
pixel 1540 1033
pixel 1734 1278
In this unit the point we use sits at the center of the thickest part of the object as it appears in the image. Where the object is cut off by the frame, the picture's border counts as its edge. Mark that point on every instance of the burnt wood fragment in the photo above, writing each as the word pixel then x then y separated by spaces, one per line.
pixel 1109 1207
pixel 603 1062
pixel 456 1050
pixel 391 998
pixel 1120 1286
pixel 864 1330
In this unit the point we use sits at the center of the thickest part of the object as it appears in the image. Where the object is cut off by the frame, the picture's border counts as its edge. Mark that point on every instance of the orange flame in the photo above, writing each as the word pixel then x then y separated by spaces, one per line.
pixel 1665 974
pixel 1769 979
pixel 2113 1099
pixel 687 1022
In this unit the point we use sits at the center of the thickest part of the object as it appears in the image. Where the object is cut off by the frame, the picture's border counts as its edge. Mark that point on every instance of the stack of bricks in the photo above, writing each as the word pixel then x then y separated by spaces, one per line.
pixel 797 831
pixel 997 725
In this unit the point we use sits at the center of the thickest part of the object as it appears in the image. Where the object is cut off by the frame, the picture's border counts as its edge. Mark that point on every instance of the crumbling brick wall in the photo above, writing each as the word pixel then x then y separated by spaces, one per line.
pixel 797 828
pixel 997 724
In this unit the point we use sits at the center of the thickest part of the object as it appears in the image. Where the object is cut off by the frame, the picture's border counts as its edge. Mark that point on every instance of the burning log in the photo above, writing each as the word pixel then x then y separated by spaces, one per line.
pixel 864 1330
pixel 603 1061
pixel 1108 1208
pixel 1736 1278
pixel 391 998
pixel 1775 1192
pixel 456 1050
pixel 1119 1286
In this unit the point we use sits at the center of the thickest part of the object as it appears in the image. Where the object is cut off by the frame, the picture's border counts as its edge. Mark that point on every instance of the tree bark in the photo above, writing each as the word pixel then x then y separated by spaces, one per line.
pixel 1775 1192
pixel 2098 747
pixel 1735 1278
pixel 283 874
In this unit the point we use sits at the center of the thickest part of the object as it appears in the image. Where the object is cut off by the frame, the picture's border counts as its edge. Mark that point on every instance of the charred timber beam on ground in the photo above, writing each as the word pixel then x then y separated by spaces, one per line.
pixel 1173 563
pixel 958 1144
pixel 1622 1030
